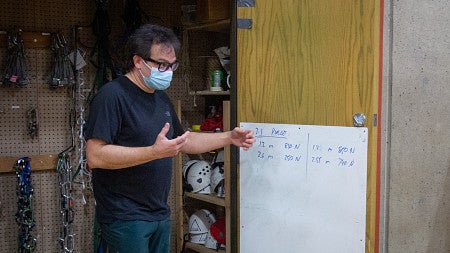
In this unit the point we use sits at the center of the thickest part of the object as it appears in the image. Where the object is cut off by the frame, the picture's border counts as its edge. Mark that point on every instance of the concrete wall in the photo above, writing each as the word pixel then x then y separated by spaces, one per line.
pixel 415 202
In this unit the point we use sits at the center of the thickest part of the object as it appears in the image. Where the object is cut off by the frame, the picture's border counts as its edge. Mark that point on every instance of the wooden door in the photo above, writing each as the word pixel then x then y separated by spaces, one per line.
pixel 313 62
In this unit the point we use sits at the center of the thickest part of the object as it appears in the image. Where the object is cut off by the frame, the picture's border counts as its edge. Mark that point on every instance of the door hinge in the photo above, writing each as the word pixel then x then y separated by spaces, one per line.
pixel 244 23
pixel 245 3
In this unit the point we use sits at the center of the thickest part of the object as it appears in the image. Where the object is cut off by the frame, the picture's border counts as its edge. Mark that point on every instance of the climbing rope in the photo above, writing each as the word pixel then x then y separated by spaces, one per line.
pixel 24 215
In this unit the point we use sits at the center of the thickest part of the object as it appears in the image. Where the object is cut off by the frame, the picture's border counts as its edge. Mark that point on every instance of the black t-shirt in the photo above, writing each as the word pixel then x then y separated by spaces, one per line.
pixel 123 114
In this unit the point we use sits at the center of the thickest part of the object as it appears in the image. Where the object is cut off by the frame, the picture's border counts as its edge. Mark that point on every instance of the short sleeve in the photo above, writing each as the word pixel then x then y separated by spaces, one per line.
pixel 104 116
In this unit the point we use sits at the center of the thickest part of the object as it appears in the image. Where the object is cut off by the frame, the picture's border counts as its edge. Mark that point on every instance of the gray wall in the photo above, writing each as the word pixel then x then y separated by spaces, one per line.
pixel 415 199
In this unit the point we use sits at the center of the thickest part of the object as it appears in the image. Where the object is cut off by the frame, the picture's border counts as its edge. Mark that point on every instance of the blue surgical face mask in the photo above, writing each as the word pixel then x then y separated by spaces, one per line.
pixel 157 80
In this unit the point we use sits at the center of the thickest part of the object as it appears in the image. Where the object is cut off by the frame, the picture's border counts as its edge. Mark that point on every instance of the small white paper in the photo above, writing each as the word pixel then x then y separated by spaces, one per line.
pixel 80 61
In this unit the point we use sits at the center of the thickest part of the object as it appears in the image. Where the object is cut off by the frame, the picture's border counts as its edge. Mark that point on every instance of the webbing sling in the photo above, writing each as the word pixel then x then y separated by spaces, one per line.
pixel 15 72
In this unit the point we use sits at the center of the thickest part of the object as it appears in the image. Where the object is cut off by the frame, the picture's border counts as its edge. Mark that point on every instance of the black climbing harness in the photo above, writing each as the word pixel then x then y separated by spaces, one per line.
pixel 24 215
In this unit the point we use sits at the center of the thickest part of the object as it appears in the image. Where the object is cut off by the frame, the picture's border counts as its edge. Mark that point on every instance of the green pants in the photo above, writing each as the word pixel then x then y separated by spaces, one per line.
pixel 136 236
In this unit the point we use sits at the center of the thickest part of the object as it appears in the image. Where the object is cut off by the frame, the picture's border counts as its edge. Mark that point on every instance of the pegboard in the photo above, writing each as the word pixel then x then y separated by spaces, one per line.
pixel 53 107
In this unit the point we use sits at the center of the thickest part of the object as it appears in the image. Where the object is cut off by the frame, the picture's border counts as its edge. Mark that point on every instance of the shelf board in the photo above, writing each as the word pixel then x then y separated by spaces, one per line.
pixel 201 248
pixel 213 26
pixel 207 198
pixel 30 39
pixel 37 162
pixel 209 93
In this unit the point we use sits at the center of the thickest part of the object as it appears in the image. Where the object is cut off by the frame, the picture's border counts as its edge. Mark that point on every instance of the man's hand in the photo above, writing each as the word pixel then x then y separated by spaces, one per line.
pixel 164 147
pixel 242 138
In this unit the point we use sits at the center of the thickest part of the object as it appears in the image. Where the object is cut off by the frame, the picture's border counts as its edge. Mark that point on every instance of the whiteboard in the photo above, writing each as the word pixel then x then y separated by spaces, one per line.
pixel 303 189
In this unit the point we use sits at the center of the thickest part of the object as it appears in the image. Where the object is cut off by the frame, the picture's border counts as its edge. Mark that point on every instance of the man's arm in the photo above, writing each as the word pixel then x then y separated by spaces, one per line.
pixel 199 142
pixel 107 156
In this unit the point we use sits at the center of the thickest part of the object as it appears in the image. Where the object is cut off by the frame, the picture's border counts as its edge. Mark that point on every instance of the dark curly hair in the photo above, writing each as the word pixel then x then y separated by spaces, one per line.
pixel 141 41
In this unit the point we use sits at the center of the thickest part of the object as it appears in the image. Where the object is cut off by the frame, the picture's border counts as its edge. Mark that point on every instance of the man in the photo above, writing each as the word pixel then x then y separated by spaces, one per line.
pixel 132 134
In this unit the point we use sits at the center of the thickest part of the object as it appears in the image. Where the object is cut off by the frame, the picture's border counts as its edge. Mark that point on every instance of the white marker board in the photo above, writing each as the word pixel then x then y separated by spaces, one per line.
pixel 303 189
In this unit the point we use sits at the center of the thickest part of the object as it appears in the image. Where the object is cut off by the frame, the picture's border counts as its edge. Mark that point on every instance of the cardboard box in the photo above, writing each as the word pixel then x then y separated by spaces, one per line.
pixel 211 10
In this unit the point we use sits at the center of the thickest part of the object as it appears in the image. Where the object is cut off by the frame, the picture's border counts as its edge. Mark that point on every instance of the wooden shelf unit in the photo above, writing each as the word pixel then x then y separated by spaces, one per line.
pixel 201 248
pixel 208 198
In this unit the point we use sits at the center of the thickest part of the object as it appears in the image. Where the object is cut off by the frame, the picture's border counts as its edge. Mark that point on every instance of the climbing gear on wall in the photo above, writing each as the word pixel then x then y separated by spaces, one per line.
pixel 32 122
pixel 24 215
pixel 132 18
pixel 100 56
pixel 80 99
pixel 64 169
pixel 62 72
pixel 15 72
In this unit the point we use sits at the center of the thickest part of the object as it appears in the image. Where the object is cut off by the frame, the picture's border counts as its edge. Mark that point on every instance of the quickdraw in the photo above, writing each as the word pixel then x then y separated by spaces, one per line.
pixel 80 101
pixel 64 170
pixel 62 72
pixel 15 72
pixel 32 122
pixel 24 215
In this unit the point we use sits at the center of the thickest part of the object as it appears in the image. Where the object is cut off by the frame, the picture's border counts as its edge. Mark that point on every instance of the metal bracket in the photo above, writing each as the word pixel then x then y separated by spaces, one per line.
pixel 359 120
pixel 244 23
pixel 245 3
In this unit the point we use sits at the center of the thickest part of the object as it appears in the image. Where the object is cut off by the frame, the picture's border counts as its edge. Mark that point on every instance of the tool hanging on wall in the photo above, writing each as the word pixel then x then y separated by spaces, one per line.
pixel 65 176
pixel 15 72
pixel 186 66
pixel 24 215
pixel 132 18
pixel 62 72
pixel 100 56
pixel 80 100
pixel 32 122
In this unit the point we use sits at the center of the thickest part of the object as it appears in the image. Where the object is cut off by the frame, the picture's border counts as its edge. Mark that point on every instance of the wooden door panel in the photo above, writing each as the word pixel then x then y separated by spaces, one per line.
pixel 312 62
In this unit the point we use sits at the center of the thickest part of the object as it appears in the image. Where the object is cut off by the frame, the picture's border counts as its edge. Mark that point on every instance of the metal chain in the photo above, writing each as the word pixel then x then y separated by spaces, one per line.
pixel 84 173
pixel 64 169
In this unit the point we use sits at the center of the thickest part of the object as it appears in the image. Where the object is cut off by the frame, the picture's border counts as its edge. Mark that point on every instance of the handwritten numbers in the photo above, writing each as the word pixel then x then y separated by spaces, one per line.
pixel 261 155
pixel 258 131
pixel 343 162
pixel 278 143
pixel 343 149
pixel 316 159
pixel 291 146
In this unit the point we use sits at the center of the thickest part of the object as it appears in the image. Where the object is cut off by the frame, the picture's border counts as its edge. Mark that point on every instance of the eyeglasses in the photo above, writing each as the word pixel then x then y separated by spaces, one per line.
pixel 164 66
